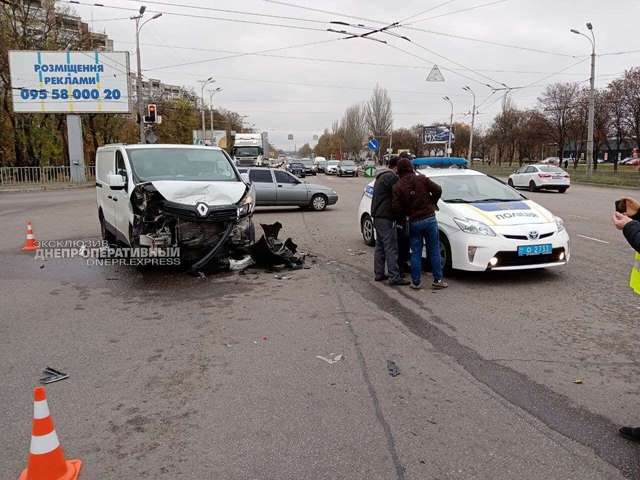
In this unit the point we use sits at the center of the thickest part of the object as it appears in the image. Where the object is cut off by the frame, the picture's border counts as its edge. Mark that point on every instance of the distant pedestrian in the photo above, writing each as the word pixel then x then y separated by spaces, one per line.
pixel 416 196
pixel 384 222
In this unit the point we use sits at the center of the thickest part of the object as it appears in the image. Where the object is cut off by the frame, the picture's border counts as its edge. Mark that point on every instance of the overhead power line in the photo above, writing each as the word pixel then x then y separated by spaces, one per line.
pixel 468 9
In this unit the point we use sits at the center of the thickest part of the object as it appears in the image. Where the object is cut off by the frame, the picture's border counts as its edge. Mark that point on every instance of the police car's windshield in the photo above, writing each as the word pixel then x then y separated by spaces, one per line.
pixel 474 188
pixel 185 164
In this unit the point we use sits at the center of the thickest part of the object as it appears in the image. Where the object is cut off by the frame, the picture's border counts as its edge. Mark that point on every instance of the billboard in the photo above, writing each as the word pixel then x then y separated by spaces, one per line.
pixel 436 134
pixel 69 82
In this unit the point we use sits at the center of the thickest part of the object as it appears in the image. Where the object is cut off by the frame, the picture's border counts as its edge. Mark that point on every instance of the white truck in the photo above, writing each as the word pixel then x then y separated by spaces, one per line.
pixel 251 149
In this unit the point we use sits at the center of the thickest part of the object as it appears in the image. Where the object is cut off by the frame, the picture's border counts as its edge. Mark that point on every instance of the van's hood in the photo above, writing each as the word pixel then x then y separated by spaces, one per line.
pixel 191 193
pixel 525 212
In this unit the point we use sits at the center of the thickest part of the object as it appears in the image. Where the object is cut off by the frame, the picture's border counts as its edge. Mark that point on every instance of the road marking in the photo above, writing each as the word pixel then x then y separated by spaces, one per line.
pixel 594 239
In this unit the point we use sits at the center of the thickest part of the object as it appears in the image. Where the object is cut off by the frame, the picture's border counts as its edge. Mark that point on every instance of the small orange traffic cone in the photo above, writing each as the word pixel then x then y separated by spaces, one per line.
pixel 46 458
pixel 30 244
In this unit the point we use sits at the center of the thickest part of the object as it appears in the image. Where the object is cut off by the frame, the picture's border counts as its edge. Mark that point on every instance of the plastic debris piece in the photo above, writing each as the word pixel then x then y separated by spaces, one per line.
pixel 392 368
pixel 51 375
pixel 578 381
pixel 334 358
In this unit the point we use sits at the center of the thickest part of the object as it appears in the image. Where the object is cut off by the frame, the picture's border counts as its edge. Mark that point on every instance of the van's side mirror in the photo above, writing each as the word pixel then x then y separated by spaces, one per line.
pixel 245 178
pixel 116 181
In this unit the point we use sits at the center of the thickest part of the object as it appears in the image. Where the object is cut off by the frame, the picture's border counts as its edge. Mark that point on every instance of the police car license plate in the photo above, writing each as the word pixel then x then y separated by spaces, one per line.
pixel 527 250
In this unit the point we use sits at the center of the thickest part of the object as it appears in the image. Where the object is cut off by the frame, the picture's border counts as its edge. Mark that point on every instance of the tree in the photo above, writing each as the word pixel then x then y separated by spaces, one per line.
pixel 305 150
pixel 179 119
pixel 353 128
pixel 379 116
pixel 614 101
pixel 408 139
pixel 557 103
pixel 631 97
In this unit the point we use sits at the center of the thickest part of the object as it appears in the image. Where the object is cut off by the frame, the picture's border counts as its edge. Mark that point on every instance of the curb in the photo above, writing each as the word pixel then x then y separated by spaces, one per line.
pixel 42 188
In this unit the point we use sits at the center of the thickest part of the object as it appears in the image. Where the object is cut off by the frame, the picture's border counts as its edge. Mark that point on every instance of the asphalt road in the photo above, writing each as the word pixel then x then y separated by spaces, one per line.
pixel 173 376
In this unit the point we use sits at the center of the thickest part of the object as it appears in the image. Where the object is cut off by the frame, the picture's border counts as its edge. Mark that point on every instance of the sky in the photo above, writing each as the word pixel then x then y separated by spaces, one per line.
pixel 305 76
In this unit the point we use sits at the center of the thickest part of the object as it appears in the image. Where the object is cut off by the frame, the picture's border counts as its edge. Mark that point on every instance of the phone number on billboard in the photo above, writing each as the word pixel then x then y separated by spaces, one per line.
pixel 76 94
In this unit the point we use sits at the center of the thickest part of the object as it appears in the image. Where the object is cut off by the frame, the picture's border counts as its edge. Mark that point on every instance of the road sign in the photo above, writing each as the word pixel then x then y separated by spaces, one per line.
pixel 69 82
pixel 373 144
pixel 435 75
pixel 290 137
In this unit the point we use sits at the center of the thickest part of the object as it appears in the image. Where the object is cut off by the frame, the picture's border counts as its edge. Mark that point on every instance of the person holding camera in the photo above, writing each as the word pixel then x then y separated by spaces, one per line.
pixel 627 218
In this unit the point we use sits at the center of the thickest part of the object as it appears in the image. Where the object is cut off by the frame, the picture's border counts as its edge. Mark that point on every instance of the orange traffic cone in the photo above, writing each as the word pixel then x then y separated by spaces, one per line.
pixel 46 458
pixel 30 244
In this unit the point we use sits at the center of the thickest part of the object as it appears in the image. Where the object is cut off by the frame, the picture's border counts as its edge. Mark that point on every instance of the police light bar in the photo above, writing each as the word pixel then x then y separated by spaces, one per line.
pixel 439 162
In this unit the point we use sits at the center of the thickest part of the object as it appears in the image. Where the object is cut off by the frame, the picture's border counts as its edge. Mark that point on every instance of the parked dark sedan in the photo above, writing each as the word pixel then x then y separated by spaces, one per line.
pixel 347 168
pixel 297 169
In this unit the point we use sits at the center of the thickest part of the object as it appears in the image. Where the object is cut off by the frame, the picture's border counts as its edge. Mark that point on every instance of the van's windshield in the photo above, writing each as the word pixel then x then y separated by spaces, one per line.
pixel 185 164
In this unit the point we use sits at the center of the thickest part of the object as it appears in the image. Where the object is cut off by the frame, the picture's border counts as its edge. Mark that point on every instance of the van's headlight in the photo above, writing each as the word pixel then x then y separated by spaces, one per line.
pixel 559 224
pixel 474 227
pixel 246 205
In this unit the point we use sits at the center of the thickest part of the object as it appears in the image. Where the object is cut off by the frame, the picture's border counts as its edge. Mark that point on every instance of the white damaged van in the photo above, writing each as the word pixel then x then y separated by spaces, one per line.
pixel 159 196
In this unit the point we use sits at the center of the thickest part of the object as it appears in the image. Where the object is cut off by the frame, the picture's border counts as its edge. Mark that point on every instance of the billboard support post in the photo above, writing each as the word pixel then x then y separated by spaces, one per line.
pixel 76 148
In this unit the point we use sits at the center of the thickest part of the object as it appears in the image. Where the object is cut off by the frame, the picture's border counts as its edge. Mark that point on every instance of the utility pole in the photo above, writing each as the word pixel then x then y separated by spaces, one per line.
pixel 212 92
pixel 592 97
pixel 204 84
pixel 473 122
pixel 449 151
pixel 139 100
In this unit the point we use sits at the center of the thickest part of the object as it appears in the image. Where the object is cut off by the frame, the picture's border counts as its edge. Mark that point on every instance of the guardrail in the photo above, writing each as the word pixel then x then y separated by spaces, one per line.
pixel 18 176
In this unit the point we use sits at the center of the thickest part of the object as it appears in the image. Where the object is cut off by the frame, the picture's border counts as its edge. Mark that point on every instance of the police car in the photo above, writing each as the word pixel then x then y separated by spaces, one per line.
pixel 484 224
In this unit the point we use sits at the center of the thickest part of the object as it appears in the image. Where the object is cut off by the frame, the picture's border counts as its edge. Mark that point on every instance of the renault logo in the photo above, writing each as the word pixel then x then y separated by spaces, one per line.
pixel 202 209
pixel 533 235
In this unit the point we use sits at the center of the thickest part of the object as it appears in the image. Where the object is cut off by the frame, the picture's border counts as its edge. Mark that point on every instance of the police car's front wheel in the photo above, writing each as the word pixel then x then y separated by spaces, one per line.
pixel 366 227
pixel 445 254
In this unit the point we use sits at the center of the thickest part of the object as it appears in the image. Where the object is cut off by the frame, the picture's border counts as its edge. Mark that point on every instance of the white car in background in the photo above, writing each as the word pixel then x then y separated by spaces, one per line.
pixel 538 177
pixel 486 225
pixel 332 167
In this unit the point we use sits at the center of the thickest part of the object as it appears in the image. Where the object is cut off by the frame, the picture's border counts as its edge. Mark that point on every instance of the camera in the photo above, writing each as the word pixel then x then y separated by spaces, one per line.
pixel 629 207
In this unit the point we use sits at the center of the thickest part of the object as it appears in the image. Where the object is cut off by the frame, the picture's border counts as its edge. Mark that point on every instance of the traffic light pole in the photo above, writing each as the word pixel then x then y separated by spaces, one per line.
pixel 139 84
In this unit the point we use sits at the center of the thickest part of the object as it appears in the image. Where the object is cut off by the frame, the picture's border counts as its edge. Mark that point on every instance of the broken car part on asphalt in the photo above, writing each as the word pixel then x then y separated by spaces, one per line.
pixel 51 375
pixel 270 251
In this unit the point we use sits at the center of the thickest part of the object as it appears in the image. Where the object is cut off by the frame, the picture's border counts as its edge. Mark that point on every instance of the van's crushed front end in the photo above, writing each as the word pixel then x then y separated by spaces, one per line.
pixel 204 222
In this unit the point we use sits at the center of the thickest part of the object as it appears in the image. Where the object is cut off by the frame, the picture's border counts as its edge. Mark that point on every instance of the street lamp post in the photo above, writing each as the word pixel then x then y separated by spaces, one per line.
pixel 212 92
pixel 204 84
pixel 139 102
pixel 447 99
pixel 592 97
pixel 473 121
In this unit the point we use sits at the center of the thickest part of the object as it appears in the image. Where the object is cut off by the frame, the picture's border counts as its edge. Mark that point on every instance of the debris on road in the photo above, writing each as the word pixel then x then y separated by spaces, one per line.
pixel 283 277
pixel 240 265
pixel 334 358
pixel 578 381
pixel 270 251
pixel 392 368
pixel 51 375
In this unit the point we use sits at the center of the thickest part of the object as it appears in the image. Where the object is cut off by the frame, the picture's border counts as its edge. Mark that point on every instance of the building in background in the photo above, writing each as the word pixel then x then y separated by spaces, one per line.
pixel 154 90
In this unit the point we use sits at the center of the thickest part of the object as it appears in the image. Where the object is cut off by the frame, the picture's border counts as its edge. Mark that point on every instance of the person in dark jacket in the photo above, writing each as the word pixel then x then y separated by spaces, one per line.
pixel 629 223
pixel 384 222
pixel 416 196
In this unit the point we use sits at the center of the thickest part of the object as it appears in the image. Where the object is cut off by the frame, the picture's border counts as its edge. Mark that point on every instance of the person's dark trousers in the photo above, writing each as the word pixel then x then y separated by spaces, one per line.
pixel 404 256
pixel 425 232
pixel 386 250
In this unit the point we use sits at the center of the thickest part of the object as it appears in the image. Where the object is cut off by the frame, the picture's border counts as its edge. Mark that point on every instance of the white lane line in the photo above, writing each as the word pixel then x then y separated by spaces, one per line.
pixel 594 239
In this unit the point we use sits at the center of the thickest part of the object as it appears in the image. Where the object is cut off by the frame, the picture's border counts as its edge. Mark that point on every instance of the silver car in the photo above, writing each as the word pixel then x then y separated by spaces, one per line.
pixel 276 187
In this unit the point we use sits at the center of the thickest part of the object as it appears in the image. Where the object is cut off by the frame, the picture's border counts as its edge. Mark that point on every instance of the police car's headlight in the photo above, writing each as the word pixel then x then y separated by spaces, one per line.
pixel 246 205
pixel 559 224
pixel 474 227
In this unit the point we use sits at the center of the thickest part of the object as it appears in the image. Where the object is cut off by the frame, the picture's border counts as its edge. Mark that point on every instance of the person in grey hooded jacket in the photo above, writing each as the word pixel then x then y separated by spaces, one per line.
pixel 384 222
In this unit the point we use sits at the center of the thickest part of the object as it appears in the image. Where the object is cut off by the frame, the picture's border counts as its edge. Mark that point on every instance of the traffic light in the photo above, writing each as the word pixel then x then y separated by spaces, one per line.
pixel 151 116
